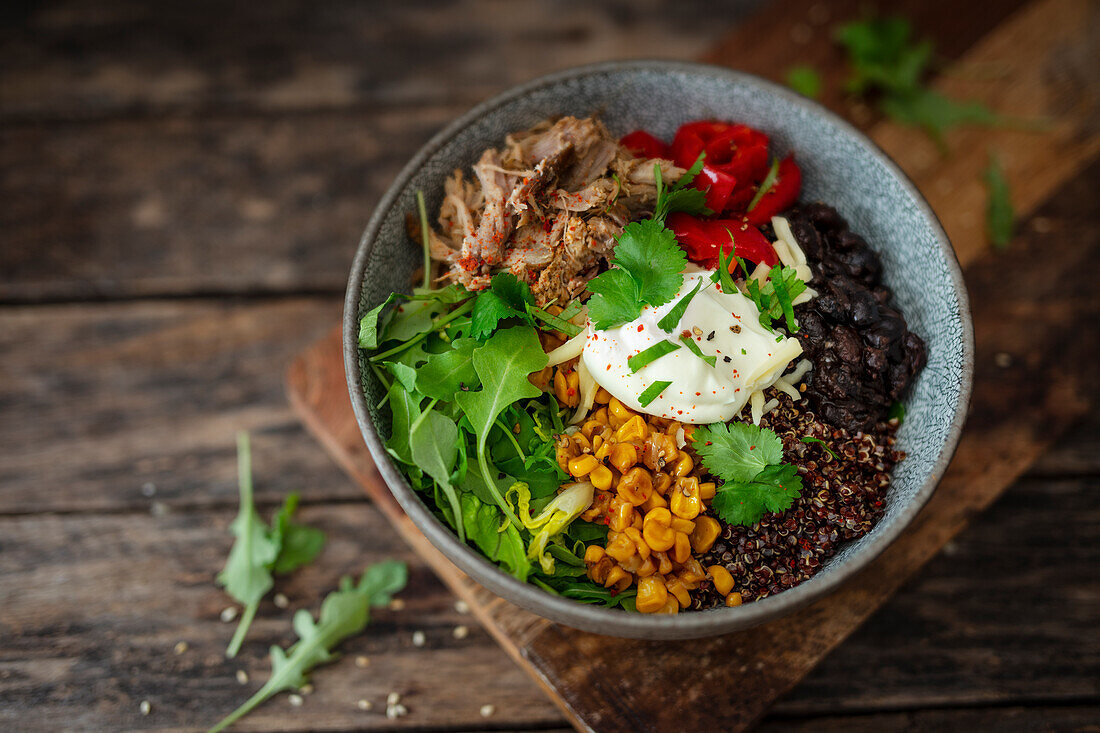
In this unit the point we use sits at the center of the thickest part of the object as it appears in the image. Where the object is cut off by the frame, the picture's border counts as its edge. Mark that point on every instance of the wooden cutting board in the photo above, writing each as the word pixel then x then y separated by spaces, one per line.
pixel 1032 376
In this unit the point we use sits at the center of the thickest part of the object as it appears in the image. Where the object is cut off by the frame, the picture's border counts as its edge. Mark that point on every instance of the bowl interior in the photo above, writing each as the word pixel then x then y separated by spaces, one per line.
pixel 839 167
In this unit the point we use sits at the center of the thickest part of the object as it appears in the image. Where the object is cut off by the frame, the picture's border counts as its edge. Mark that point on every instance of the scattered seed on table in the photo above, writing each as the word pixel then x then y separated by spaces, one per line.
pixel 393 698
pixel 295 700
pixel 281 601
pixel 158 509
pixel 242 677
pixel 397 604
pixel 1003 360
pixel 418 638
pixel 461 632
pixel 228 614
pixel 462 606
pixel 396 711
pixel 487 710
pixel 148 489
pixel 306 689
pixel 364 704
pixel 180 647
pixel 362 661
pixel 145 707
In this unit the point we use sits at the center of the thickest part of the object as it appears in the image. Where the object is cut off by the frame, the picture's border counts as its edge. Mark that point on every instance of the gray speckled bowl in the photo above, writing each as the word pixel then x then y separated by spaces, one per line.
pixel 840 166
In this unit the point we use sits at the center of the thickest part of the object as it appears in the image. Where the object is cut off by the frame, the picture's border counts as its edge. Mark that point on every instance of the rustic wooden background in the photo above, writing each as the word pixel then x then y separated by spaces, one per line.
pixel 181 189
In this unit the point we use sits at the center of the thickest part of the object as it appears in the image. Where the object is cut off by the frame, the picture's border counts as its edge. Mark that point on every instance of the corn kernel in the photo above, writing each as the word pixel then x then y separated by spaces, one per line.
pixel 734 599
pixel 614 576
pixel 706 532
pixel 582 443
pixel 682 525
pixel 635 486
pixel 639 542
pixel 671 606
pixel 621 548
pixel 655 500
pixel 684 500
pixel 622 515
pixel 582 465
pixel 684 464
pixel 590 428
pixel 633 429
pixel 664 483
pixel 677 590
pixel 723 581
pixel 681 548
pixel 652 595
pixel 664 565
pixel 657 531
pixel 593 553
pixel 598 571
pixel 707 490
pixel 618 413
pixel 647 568
pixel 623 456
pixel 601 477
pixel 602 396
pixel 600 416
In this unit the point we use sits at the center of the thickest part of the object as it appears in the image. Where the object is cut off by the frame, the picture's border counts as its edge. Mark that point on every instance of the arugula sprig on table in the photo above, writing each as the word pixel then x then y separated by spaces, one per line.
pixel 344 613
pixel 748 460
pixel 260 550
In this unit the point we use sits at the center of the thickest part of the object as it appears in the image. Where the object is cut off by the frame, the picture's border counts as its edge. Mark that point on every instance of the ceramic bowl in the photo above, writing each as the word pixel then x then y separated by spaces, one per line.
pixel 840 166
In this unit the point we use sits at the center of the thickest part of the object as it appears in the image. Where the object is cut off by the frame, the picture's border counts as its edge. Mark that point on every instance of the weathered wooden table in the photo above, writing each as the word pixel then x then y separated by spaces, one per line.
pixel 182 189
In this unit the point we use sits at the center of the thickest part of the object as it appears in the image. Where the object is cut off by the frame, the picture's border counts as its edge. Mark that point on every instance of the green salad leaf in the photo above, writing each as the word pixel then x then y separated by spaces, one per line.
pixel 344 613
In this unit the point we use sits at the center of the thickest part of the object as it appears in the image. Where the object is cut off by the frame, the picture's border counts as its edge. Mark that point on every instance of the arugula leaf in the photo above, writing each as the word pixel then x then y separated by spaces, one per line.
pixel 482 523
pixel 502 363
pixel 805 80
pixel 344 613
pixel 368 325
pixel 764 187
pixel 999 215
pixel 652 392
pixel 404 408
pixel 824 446
pixel 298 544
pixel 774 489
pixel 403 373
pixel 259 550
pixel 434 445
pixel 648 270
pixel 669 320
pixel 694 348
pixel 247 572
pixel 445 374
pixel 935 113
pixel 615 299
pixel 650 355
pixel 736 451
pixel 412 319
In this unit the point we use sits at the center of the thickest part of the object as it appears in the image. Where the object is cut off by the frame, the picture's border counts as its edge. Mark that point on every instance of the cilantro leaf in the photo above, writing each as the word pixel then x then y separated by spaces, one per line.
pixel 506 297
pixel 805 80
pixel 824 446
pixel 652 392
pixel 774 299
pixel 653 257
pixel 774 489
pixel 736 452
pixel 693 347
pixel 344 613
pixel 680 197
pixel 999 215
pixel 649 355
pixel 615 299
pixel 669 320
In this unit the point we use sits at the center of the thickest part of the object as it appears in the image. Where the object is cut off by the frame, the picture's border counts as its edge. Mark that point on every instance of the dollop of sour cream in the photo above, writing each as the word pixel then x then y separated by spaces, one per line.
pixel 748 357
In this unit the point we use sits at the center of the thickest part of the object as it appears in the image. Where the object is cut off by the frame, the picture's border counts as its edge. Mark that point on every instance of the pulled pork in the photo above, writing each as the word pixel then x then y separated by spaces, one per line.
pixel 548 208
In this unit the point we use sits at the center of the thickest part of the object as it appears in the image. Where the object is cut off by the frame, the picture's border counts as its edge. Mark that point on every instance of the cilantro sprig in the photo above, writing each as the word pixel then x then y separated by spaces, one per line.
pixel 648 267
pixel 748 459
pixel 680 196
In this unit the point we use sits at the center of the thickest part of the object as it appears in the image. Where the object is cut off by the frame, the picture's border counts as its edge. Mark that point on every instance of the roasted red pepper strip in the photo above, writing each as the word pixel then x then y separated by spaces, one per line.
pixel 718 185
pixel 644 145
pixel 686 147
pixel 701 239
pixel 783 193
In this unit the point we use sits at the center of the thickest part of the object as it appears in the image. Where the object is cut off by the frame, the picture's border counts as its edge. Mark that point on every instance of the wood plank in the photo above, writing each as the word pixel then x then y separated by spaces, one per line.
pixel 78 59
pixel 1005 615
pixel 1016 412
pixel 103 405
pixel 195 206
pixel 1015 719
pixel 103 601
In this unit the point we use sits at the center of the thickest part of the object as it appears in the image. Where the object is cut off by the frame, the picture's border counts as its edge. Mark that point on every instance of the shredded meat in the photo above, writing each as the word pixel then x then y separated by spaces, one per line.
pixel 548 207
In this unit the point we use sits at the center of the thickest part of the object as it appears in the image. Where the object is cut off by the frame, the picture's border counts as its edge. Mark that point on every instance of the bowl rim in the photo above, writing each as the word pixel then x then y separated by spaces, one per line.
pixel 616 621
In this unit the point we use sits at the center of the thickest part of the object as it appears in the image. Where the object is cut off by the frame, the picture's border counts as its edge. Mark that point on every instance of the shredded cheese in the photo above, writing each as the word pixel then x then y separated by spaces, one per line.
pixel 787 388
pixel 756 405
pixel 588 392
pixel 770 405
pixel 571 349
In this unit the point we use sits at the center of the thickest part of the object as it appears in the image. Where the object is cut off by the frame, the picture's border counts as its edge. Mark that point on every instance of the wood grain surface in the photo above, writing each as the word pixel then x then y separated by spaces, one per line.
pixel 183 187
